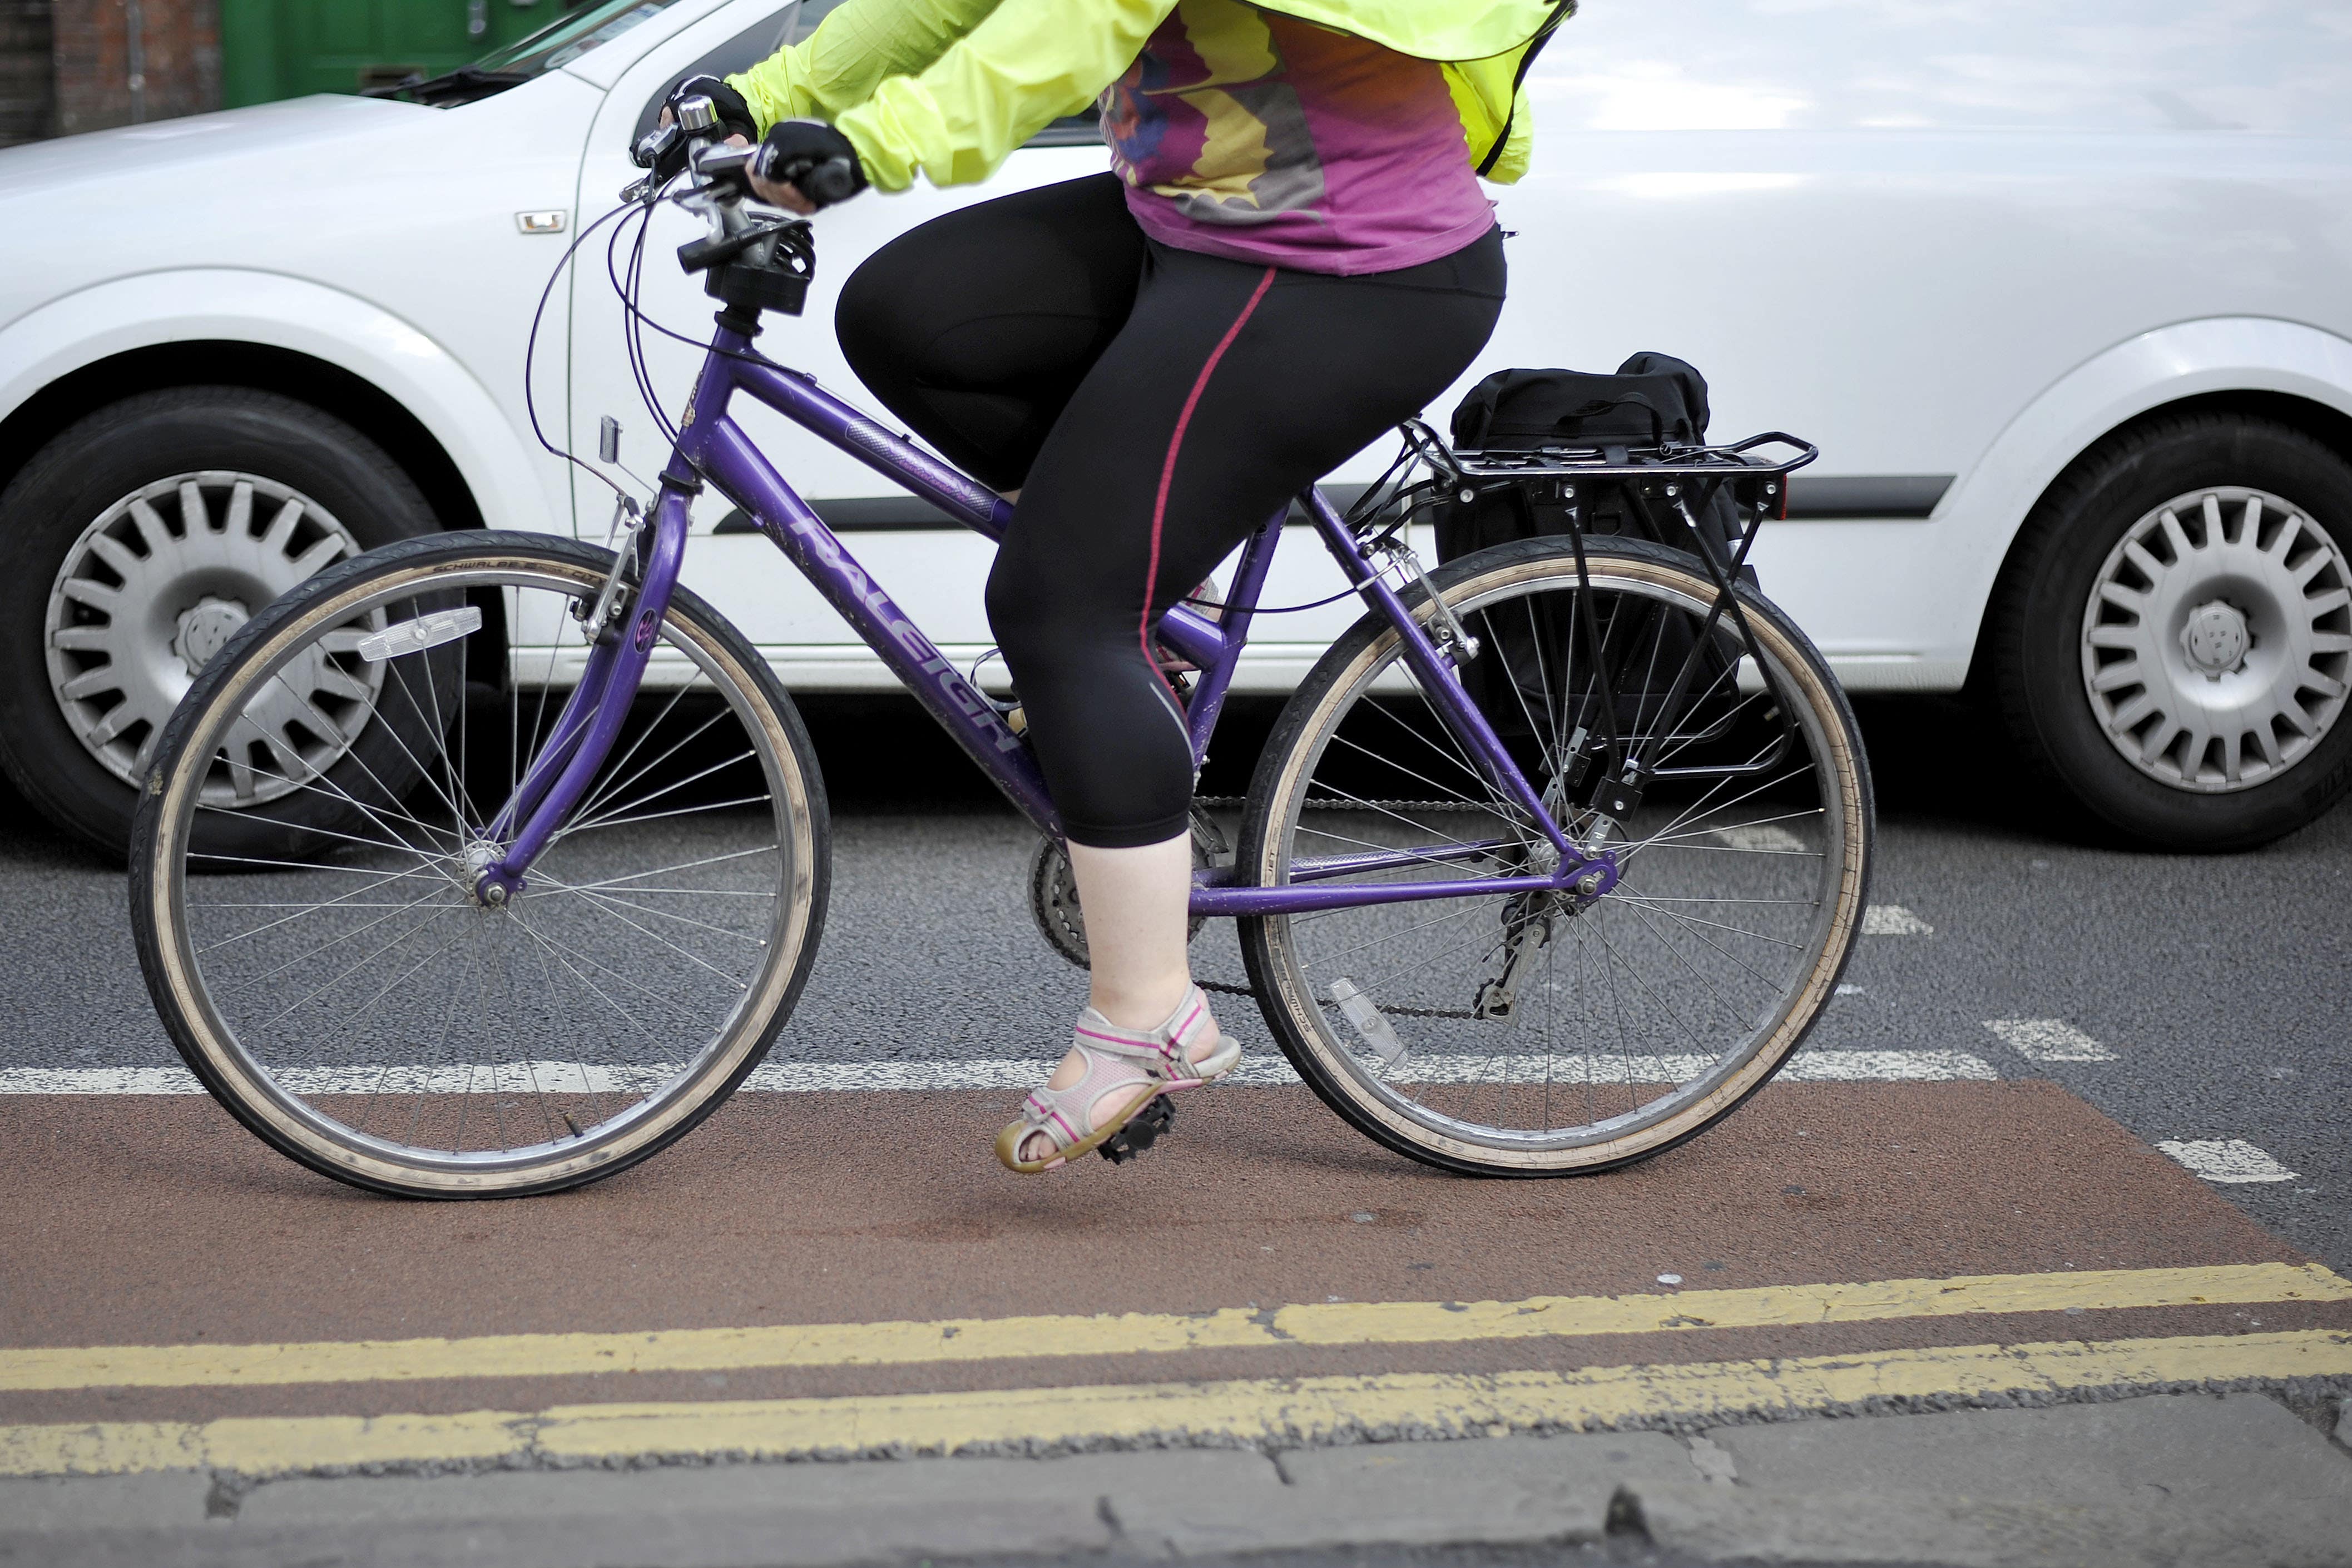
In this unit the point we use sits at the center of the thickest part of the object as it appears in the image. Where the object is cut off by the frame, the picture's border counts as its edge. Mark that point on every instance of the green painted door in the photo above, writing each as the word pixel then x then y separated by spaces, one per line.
pixel 284 48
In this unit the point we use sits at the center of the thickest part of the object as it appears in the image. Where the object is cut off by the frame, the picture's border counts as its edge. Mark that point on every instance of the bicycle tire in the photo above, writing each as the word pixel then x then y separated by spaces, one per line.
pixel 307 1110
pixel 1354 1076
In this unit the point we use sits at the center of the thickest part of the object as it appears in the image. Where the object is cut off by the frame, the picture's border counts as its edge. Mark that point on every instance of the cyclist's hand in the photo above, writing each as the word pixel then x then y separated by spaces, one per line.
pixel 734 113
pixel 734 117
pixel 805 164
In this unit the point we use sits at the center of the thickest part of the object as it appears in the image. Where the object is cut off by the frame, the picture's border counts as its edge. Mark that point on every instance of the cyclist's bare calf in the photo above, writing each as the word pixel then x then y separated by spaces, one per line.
pixel 1137 930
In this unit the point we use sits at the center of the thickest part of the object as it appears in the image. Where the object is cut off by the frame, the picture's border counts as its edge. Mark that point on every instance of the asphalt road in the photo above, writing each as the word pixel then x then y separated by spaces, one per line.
pixel 208 1336
pixel 2216 984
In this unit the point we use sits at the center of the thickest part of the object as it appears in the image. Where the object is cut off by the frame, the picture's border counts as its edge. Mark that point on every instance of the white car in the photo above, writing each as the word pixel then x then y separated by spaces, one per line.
pixel 2064 292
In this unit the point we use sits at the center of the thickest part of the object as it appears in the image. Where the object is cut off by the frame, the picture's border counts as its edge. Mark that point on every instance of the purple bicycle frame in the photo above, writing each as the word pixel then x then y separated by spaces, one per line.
pixel 712 446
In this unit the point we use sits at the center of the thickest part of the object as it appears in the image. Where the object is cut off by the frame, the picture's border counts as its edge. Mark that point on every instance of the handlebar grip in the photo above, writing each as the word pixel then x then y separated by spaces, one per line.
pixel 824 181
pixel 828 183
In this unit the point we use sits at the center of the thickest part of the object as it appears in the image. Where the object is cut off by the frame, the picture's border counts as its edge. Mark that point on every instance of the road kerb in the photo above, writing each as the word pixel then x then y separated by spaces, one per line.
pixel 1274 1411
pixel 991 1339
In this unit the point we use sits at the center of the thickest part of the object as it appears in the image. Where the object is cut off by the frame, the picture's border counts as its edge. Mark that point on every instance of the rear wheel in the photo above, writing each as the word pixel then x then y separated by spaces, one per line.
pixel 346 995
pixel 1546 1034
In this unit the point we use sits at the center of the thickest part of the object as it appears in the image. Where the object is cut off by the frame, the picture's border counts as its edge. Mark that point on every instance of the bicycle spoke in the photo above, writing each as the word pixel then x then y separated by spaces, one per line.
pixel 467 1046
pixel 1561 1022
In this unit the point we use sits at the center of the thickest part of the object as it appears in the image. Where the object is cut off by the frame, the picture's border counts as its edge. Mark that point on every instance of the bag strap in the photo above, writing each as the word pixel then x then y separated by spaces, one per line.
pixel 1604 406
pixel 1560 12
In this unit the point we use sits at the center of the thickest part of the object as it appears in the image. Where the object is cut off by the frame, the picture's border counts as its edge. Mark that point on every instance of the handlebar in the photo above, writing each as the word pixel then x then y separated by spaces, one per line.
pixel 727 171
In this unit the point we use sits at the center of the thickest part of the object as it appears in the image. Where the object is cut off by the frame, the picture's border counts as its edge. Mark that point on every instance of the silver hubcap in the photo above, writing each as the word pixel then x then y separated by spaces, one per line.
pixel 157 586
pixel 2216 640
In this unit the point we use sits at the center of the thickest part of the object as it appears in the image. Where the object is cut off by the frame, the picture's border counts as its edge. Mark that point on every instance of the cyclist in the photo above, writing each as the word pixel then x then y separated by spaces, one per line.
pixel 1291 254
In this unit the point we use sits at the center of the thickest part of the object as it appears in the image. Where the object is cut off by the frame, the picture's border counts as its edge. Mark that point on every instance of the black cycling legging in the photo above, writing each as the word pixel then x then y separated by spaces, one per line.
pixel 1154 406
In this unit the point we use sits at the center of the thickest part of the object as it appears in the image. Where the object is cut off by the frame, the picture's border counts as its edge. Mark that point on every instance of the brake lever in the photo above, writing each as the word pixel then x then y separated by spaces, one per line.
pixel 650 147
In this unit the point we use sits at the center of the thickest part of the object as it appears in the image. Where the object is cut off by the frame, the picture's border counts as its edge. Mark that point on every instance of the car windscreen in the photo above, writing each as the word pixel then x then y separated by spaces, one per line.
pixel 559 43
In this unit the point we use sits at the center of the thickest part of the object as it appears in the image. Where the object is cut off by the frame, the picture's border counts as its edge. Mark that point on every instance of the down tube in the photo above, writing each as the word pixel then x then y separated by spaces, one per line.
pixel 753 484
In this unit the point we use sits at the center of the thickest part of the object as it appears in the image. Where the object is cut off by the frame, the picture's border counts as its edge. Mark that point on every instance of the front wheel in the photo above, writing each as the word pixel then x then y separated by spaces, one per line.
pixel 348 999
pixel 1545 1034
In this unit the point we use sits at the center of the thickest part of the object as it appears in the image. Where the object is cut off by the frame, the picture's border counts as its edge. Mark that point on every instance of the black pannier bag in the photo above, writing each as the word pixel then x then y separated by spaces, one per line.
pixel 1652 401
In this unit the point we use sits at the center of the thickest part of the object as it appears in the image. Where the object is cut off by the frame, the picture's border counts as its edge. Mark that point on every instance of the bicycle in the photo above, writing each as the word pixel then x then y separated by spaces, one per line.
pixel 1551 862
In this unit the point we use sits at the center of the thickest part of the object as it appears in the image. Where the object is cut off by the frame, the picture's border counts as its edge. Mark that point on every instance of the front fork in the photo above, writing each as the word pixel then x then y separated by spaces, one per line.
pixel 628 624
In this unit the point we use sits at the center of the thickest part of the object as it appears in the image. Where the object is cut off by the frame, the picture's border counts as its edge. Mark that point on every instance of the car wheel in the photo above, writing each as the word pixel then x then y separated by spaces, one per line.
pixel 135 544
pixel 2171 637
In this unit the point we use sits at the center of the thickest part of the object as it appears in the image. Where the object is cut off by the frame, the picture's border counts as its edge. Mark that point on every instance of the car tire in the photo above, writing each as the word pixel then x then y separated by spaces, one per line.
pixel 2170 641
pixel 110 599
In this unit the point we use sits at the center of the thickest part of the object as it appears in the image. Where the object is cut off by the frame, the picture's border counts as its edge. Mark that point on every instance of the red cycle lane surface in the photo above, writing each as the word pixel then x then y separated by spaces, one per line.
pixel 155 1220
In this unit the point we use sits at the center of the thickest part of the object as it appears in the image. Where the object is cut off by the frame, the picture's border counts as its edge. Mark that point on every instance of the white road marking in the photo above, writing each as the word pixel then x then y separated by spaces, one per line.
pixel 1263 1068
pixel 1767 837
pixel 2225 1160
pixel 2049 1040
pixel 99 1081
pixel 1892 920
pixel 1888 1067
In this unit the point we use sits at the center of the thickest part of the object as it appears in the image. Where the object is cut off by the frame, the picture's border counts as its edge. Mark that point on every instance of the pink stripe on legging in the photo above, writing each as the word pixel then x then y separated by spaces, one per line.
pixel 1167 471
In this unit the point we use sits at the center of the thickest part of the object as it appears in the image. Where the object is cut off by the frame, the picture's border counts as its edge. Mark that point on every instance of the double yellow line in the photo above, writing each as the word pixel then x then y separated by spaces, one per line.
pixel 1271 1410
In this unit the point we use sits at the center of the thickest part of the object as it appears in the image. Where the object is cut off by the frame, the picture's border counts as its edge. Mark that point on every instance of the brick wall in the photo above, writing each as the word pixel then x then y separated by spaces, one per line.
pixel 94 87
pixel 28 106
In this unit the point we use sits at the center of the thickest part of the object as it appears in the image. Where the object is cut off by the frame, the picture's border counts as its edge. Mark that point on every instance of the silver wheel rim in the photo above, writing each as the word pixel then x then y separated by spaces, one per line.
pixel 156 587
pixel 286 1032
pixel 1730 826
pixel 2216 639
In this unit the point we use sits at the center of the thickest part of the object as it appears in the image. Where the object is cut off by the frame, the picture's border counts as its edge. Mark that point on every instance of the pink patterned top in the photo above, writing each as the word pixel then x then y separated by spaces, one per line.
pixel 1242 133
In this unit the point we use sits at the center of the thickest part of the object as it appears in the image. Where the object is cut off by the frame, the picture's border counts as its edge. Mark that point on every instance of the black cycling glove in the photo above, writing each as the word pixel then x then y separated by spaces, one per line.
pixel 813 158
pixel 734 114
pixel 734 119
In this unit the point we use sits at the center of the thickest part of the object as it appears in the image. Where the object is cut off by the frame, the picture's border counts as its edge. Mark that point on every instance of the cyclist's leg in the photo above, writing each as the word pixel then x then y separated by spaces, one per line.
pixel 1231 387
pixel 977 327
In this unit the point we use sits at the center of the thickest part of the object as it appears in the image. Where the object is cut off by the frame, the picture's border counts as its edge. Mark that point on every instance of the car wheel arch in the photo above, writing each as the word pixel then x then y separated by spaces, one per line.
pixel 2324 422
pixel 297 337
pixel 330 387
pixel 2285 372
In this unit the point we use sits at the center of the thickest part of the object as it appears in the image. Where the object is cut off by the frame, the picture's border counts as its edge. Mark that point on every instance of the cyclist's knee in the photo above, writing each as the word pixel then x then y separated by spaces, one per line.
pixel 877 320
pixel 1019 613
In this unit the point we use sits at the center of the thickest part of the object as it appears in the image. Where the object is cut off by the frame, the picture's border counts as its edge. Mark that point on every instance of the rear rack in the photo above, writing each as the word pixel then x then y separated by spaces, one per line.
pixel 1760 484
pixel 1669 487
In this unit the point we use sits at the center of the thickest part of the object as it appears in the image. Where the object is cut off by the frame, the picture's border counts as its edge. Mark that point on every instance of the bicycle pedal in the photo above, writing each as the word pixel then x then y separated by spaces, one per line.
pixel 1141 1133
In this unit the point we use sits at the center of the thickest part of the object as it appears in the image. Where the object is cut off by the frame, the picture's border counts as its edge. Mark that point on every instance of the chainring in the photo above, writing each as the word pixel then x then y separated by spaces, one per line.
pixel 1054 889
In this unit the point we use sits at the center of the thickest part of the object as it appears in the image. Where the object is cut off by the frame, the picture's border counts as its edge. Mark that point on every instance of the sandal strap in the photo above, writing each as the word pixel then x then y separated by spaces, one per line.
pixel 1114 1058
pixel 1168 1047
pixel 1066 1116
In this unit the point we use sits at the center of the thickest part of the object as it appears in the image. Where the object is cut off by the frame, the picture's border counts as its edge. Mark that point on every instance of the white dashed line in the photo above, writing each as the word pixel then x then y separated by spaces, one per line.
pixel 99 1081
pixel 1892 920
pixel 2226 1160
pixel 2049 1040
pixel 1888 1067
pixel 1261 1069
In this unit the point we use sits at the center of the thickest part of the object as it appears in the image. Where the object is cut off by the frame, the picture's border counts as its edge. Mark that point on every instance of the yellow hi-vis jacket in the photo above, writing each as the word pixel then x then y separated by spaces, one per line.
pixel 951 86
